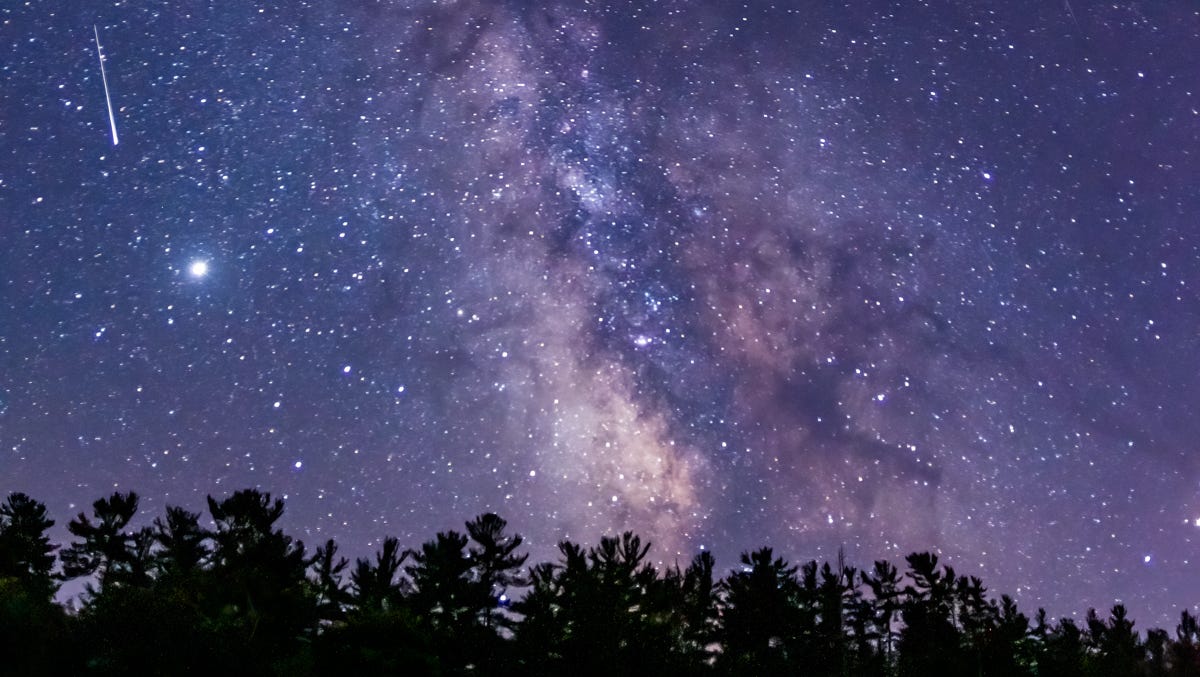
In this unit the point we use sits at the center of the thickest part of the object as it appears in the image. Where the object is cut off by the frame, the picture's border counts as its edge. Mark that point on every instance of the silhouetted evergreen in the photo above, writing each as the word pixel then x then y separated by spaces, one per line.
pixel 183 542
pixel 687 604
pixel 26 554
pixel 446 599
pixel 243 597
pixel 116 557
pixel 1183 655
pixel 763 619
pixel 496 566
pixel 884 585
pixel 332 593
pixel 261 598
pixel 33 630
pixel 1116 649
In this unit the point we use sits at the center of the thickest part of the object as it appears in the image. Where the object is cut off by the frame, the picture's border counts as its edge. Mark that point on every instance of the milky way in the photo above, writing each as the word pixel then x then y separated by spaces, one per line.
pixel 884 278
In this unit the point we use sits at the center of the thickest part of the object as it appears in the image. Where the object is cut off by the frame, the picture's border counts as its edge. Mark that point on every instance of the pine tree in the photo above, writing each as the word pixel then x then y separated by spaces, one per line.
pixel 25 550
pixel 116 556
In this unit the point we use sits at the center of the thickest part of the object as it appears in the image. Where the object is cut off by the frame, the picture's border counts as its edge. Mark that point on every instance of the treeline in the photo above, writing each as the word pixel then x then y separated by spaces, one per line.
pixel 243 597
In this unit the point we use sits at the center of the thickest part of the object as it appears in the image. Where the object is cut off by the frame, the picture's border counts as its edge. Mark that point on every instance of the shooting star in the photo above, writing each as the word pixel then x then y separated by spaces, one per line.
pixel 112 120
pixel 1071 11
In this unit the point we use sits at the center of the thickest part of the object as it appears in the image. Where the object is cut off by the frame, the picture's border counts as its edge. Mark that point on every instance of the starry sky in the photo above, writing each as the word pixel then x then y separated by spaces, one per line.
pixel 890 276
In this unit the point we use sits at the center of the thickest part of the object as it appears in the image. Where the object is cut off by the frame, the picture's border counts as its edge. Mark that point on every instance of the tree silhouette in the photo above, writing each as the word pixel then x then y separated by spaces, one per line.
pixel 685 603
pixel 263 598
pixel 332 594
pixel 117 557
pixel 446 598
pixel 497 565
pixel 1184 652
pixel 974 616
pixel 760 612
pixel 32 628
pixel 381 634
pixel 1061 649
pixel 183 542
pixel 1157 643
pixel 930 643
pixel 884 584
pixel 375 587
pixel 593 611
pixel 837 597
pixel 243 598
pixel 540 634
pixel 163 612
pixel 1116 648
pixel 496 570
pixel 25 550
pixel 1005 647
pixel 440 574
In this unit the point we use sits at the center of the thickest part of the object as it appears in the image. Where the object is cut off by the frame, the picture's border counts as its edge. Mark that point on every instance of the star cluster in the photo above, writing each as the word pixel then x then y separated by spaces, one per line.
pixel 883 277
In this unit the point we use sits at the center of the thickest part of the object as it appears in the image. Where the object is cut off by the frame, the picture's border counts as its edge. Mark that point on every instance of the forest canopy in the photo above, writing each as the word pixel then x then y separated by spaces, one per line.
pixel 234 594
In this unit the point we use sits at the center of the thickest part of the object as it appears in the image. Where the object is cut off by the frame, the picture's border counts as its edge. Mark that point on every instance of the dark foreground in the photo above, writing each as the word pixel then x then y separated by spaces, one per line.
pixel 245 598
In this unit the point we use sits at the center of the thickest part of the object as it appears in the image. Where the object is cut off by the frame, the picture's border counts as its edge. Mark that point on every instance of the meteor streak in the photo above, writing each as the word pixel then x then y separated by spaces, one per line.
pixel 112 120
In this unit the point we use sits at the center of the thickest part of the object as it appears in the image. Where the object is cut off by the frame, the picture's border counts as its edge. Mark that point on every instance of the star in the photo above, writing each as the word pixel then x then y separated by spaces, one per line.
pixel 198 268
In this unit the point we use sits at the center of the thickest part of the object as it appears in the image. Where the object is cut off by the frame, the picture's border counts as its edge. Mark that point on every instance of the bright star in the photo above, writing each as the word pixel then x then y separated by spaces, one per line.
pixel 198 268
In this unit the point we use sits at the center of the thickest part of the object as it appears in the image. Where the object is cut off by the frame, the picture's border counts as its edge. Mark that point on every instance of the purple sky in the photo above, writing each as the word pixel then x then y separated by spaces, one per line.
pixel 895 277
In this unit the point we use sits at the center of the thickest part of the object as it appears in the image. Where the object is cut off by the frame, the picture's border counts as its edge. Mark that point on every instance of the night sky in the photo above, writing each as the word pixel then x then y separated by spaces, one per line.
pixel 893 276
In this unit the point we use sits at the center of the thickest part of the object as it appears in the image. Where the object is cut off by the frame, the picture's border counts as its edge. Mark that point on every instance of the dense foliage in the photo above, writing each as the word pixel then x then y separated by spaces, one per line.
pixel 242 597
